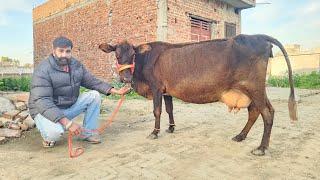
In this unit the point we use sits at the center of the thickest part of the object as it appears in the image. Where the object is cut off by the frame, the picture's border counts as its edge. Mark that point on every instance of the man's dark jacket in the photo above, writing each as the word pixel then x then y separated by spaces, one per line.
pixel 53 89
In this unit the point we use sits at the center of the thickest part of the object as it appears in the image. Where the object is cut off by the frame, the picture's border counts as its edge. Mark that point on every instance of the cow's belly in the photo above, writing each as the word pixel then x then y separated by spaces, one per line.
pixel 203 99
pixel 194 96
pixel 233 98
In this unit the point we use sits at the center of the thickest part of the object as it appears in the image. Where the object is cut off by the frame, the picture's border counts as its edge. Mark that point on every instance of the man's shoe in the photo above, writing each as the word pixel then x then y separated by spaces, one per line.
pixel 94 139
pixel 48 144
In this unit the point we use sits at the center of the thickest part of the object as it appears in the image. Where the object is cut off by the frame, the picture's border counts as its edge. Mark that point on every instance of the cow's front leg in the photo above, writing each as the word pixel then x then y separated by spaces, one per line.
pixel 157 105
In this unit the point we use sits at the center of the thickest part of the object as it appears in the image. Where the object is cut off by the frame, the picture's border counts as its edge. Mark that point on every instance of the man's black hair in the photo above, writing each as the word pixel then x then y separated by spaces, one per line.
pixel 62 42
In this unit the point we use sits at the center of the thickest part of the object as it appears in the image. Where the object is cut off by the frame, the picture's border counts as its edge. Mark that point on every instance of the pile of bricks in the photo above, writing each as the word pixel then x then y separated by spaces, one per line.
pixel 14 122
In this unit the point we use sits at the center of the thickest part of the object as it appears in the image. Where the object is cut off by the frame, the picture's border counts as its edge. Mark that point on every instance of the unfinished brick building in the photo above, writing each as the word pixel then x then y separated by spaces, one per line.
pixel 91 22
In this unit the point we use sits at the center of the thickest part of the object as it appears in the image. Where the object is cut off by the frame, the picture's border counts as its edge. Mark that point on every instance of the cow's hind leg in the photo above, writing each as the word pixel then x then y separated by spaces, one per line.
pixel 253 114
pixel 157 108
pixel 267 113
pixel 169 109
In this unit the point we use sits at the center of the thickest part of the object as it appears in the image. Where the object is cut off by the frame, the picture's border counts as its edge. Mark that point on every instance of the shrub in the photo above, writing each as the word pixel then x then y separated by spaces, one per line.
pixel 303 81
pixel 131 95
pixel 15 84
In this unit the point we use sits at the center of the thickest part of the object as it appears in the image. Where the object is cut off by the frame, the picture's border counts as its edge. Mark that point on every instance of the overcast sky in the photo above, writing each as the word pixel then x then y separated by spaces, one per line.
pixel 291 22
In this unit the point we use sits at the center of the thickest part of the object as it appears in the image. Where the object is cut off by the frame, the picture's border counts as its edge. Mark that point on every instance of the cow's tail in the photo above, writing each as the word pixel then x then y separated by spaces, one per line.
pixel 292 102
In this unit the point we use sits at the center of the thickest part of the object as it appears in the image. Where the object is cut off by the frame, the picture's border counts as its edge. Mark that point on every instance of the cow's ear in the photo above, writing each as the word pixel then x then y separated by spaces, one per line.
pixel 105 47
pixel 142 48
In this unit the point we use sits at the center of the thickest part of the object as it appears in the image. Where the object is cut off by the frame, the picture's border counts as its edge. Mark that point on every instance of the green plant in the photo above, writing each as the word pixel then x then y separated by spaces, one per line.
pixel 305 81
pixel 15 84
pixel 131 95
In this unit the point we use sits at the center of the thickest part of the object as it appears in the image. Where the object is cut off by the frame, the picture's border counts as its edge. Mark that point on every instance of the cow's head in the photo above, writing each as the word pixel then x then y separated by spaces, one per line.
pixel 125 54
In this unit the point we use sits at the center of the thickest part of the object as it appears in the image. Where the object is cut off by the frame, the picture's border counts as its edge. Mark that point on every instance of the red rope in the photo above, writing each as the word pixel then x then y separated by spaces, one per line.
pixel 79 150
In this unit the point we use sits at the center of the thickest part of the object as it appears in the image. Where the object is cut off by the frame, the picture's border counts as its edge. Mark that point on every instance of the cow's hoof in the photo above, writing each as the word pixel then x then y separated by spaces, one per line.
pixel 239 138
pixel 170 129
pixel 260 151
pixel 153 136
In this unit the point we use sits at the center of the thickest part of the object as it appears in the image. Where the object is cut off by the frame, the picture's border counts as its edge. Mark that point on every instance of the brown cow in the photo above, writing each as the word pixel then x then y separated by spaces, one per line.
pixel 232 71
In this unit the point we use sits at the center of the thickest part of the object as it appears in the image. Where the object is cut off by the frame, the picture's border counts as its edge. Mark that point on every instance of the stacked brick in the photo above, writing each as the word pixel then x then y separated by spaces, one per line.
pixel 17 120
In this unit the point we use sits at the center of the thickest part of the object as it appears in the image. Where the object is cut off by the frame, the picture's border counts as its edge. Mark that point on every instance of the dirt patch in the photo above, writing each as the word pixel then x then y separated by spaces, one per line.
pixel 200 148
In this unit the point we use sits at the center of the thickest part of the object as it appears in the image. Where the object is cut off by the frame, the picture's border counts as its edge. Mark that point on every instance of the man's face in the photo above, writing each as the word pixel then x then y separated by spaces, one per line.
pixel 63 55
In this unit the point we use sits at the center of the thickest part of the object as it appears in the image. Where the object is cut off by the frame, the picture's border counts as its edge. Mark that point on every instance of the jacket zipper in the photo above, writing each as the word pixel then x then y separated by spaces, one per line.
pixel 71 81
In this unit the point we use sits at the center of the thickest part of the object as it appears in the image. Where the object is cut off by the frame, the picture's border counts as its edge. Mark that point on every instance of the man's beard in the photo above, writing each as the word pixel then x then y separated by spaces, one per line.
pixel 62 61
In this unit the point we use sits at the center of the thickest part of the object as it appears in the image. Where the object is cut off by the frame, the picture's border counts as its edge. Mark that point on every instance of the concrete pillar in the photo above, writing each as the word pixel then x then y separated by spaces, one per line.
pixel 214 30
pixel 162 20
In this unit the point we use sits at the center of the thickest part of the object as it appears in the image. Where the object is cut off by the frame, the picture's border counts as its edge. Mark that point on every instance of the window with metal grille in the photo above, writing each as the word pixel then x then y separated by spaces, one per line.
pixel 200 30
pixel 230 30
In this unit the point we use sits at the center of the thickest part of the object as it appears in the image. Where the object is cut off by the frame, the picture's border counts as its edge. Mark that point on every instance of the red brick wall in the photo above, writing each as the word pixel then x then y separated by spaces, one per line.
pixel 51 7
pixel 87 25
pixel 179 26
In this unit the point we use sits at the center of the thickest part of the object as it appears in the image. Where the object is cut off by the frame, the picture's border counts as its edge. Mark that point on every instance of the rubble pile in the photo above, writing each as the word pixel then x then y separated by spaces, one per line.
pixel 14 115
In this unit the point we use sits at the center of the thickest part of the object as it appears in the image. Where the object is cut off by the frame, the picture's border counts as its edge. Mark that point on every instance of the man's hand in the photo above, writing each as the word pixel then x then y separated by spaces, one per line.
pixel 124 90
pixel 74 129
pixel 121 91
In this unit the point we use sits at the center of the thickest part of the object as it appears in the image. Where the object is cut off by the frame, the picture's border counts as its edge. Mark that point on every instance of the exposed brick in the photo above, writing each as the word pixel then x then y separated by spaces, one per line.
pixel 12 98
pixel 24 97
pixel 179 20
pixel 29 122
pixel 22 115
pixel 10 114
pixel 20 106
pixel 4 120
pixel 4 132
pixel 14 126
